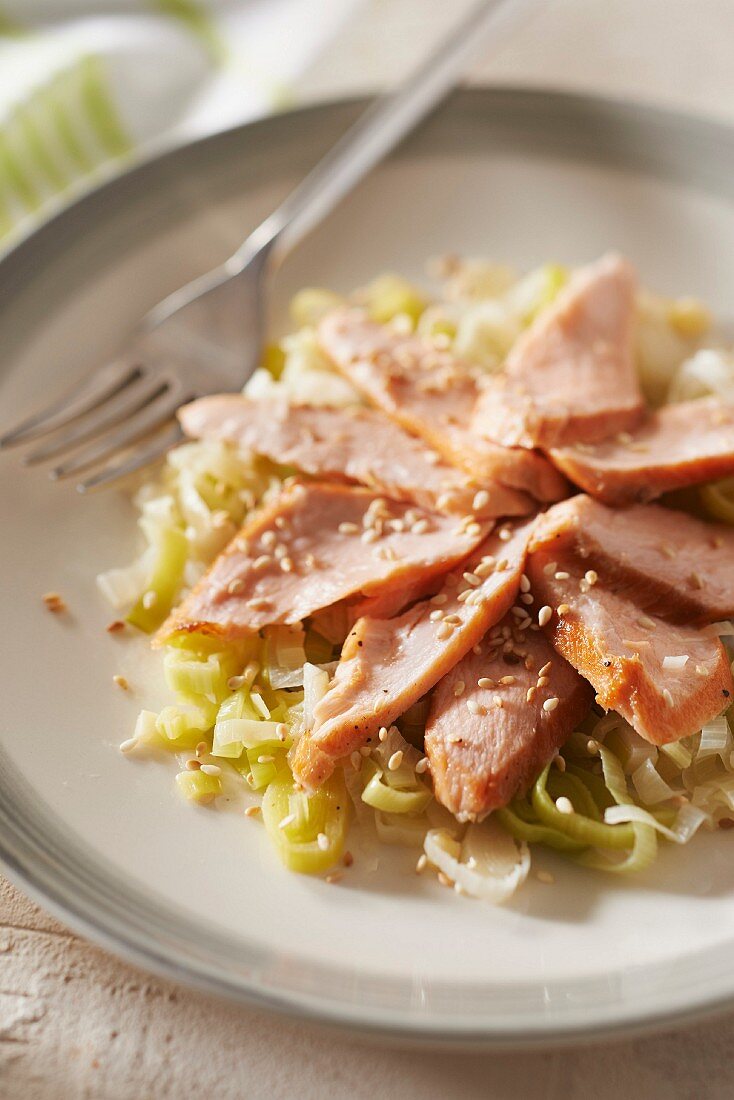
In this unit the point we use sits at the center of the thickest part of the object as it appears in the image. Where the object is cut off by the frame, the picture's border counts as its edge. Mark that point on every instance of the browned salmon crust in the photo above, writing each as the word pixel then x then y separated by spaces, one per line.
pixel 571 376
pixel 489 733
pixel 431 394
pixel 679 445
pixel 355 444
pixel 620 650
pixel 388 664
pixel 666 562
pixel 312 547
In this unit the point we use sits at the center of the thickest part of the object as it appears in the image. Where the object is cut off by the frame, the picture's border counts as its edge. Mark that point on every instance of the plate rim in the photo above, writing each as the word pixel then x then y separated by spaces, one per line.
pixel 55 892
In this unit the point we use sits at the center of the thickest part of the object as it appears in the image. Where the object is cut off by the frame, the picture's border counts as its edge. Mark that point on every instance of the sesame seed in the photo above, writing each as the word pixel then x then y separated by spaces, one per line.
pixel 551 704
pixel 121 682
pixel 286 821
pixel 667 551
pixel 546 877
pixel 444 879
pixel 507 679
pixel 543 681
pixel 436 616
pixel 562 575
pixel 474 707
pixel 268 539
pixel 266 758
pixel 127 746
pixel 563 608
pixel 527 598
pixel 591 576
pixel 54 602
pixel 459 688
pixel 421 864
pixel 464 596
pixel 485 682
pixel 667 697
pixel 452 620
pixel 422 766
pixel 444 631
pixel 524 583
pixel 150 599
pixel 498 702
pixel 439 599
pixel 115 627
pixel 334 878
pixel 201 749
pixel 382 733
pixel 477 649
pixel 545 669
pixel 544 615
pixel 323 842
pixel 420 527
pixel 395 760
pixel 211 769
pixel 370 535
pixel 193 765
pixel 530 694
pixel 481 500
pixel 504 534
pixel 347 528
pixel 259 563
pixel 559 762
pixel 592 746
pixel 252 811
pixel 564 805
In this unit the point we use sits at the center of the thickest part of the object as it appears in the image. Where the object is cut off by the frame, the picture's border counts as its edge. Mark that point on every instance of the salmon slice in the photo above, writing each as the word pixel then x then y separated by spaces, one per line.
pixel 571 376
pixel 665 562
pixel 354 444
pixel 388 664
pixel 620 650
pixel 335 622
pixel 488 734
pixel 312 547
pixel 679 445
pixel 432 395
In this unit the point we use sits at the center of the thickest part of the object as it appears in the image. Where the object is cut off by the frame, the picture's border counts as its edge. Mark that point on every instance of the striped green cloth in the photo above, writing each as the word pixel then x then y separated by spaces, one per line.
pixel 87 86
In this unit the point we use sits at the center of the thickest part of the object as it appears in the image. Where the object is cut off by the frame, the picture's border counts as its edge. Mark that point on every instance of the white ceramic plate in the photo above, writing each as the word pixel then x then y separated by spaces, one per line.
pixel 104 840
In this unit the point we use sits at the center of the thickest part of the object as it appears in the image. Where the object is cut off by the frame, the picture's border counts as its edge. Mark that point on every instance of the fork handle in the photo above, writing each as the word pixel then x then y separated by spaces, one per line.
pixel 379 130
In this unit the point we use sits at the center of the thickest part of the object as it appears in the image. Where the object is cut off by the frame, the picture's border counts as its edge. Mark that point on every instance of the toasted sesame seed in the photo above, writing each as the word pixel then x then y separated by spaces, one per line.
pixel 444 879
pixel 395 760
pixel 201 749
pixel 481 500
pixel 562 575
pixel 551 704
pixel 563 608
pixel 544 615
pixel 507 679
pixel 550 567
pixel 485 682
pixel 421 864
pixel 527 598
pixel 543 681
pixel 546 877
pixel 472 579
pixel 127 746
pixel 268 539
pixel 524 583
pixel 348 528
pixel 420 527
pixel 559 762
pixel 591 576
pixel 474 707
pixel 504 534
pixel 150 598
pixel 252 811
pixel 372 534
pixel 530 694
pixel 564 805
pixel 422 766
pixel 498 702
pixel 286 821
pixel 266 758
pixel 286 564
pixel 592 746
pixel 459 688
pixel 464 596
pixel 667 697
pixel 382 733
pixel 444 631
pixel 259 563
pixel 115 627
pixel 545 669
pixel 193 765
pixel 477 649
pixel 54 602
pixel 452 620
pixel 121 682
pixel 212 769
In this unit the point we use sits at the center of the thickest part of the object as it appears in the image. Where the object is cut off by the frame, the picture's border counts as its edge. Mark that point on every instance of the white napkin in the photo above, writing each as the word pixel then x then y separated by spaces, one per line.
pixel 87 86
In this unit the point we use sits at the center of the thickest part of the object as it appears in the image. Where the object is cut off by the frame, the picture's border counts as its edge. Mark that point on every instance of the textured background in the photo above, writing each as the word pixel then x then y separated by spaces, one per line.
pixel 74 1022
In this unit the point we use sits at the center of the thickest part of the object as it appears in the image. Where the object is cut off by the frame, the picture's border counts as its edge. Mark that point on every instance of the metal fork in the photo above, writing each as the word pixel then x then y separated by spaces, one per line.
pixel 207 337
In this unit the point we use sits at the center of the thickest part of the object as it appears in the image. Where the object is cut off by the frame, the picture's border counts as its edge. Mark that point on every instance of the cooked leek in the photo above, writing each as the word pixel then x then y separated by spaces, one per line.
pixel 197 786
pixel 379 794
pixel 154 605
pixel 308 830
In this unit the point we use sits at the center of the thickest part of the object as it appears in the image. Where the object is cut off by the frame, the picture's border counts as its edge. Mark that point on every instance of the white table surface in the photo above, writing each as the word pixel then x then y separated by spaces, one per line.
pixel 75 1022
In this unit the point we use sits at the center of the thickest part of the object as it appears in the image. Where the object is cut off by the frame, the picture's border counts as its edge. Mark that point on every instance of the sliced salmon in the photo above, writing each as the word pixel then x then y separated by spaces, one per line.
pixel 353 444
pixel 489 733
pixel 335 622
pixel 432 394
pixel 571 376
pixel 315 545
pixel 666 562
pixel 679 445
pixel 621 651
pixel 388 664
